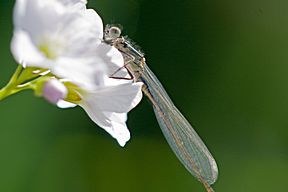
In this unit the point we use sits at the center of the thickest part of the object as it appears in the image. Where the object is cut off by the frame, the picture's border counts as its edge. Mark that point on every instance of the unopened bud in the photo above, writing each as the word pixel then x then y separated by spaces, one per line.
pixel 54 91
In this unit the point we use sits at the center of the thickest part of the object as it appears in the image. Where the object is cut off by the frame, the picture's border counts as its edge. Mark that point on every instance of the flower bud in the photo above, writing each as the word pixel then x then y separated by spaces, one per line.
pixel 54 91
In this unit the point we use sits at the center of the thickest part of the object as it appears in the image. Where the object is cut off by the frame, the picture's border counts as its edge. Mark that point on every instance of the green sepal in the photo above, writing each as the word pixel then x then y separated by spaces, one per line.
pixel 30 73
pixel 74 91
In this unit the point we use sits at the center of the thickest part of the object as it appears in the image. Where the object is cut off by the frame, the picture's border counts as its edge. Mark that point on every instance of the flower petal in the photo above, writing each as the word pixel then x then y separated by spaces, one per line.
pixel 108 107
pixel 36 17
pixel 74 3
pixel 119 99
pixel 113 60
pixel 113 123
pixel 92 16
pixel 70 46
pixel 64 104
pixel 118 128
pixel 84 34
pixel 80 71
pixel 24 50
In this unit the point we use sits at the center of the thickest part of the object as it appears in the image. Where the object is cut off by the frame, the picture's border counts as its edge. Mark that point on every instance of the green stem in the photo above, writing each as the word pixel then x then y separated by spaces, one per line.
pixel 8 90
pixel 3 93
pixel 15 86
pixel 15 76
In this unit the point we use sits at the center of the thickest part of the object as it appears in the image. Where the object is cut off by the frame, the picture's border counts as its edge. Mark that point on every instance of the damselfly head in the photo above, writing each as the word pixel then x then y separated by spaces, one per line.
pixel 112 32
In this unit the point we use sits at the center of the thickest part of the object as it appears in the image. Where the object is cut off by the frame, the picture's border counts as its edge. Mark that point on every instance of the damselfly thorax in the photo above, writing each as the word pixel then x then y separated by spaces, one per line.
pixel 134 59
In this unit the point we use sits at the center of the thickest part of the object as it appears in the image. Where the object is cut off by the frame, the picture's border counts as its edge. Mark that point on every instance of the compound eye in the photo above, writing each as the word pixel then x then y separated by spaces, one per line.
pixel 114 32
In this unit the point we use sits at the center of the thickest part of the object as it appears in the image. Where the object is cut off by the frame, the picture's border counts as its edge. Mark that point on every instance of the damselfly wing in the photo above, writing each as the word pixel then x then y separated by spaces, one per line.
pixel 180 135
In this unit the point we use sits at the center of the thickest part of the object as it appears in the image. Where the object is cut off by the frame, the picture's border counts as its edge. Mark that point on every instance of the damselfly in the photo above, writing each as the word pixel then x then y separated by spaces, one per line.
pixel 182 138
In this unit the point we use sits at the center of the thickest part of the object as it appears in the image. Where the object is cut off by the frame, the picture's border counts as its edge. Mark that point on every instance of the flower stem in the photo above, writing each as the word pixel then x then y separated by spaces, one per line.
pixel 15 76
pixel 14 86
pixel 6 91
pixel 3 93
pixel 11 90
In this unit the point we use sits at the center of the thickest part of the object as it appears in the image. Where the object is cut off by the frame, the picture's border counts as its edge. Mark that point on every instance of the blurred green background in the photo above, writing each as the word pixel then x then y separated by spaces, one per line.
pixel 225 65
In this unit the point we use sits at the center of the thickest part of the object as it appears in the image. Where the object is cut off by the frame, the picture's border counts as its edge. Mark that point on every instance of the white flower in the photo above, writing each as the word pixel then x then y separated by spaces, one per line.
pixel 66 38
pixel 49 34
pixel 108 108
pixel 108 104
pixel 74 2
pixel 107 101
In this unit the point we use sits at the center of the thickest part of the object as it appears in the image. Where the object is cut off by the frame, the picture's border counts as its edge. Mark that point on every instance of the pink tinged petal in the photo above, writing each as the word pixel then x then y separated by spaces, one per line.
pixel 25 51
pixel 119 99
pixel 54 91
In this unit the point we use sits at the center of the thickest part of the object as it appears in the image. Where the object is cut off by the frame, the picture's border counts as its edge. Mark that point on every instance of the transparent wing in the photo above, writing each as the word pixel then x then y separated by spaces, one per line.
pixel 182 138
